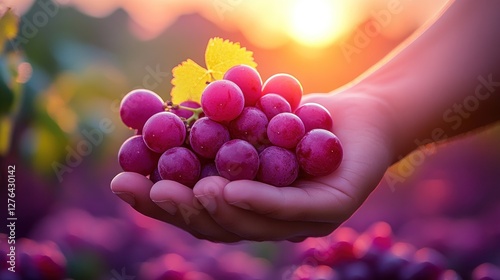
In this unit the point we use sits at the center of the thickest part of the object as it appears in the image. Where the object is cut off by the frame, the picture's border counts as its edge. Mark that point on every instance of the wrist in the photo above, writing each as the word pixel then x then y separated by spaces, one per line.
pixel 429 111
pixel 433 86
pixel 369 115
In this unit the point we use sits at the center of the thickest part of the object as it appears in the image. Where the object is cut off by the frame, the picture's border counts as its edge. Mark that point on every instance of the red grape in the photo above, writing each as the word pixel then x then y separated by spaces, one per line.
pixel 237 160
pixel 278 166
pixel 314 116
pixel 163 131
pixel 181 165
pixel 138 106
pixel 285 130
pixel 207 137
pixel 319 152
pixel 251 126
pixel 135 156
pixel 272 104
pixel 222 100
pixel 248 80
pixel 209 169
pixel 285 85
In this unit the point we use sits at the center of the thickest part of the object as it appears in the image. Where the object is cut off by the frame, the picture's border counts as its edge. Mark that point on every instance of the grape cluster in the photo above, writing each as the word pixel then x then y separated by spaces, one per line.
pixel 31 260
pixel 243 129
pixel 371 255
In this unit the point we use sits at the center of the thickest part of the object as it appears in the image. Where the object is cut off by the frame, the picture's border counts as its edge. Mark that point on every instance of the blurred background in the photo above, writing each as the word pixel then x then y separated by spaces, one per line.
pixel 66 64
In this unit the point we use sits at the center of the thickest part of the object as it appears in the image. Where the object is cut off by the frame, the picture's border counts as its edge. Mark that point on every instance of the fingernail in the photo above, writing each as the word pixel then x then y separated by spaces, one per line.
pixel 241 205
pixel 168 206
pixel 208 203
pixel 127 197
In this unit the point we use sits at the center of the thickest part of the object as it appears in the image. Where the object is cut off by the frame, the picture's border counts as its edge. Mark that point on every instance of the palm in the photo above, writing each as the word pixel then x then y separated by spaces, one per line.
pixel 230 211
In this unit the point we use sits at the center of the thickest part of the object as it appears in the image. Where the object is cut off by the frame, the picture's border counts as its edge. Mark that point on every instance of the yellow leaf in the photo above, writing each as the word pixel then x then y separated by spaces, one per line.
pixel 223 54
pixel 8 27
pixel 6 130
pixel 190 79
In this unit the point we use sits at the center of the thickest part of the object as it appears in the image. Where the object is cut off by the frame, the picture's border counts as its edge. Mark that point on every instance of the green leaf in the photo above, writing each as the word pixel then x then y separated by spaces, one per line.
pixel 6 97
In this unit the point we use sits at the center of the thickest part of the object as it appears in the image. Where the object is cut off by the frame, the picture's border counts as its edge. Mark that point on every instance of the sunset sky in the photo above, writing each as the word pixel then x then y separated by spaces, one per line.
pixel 268 24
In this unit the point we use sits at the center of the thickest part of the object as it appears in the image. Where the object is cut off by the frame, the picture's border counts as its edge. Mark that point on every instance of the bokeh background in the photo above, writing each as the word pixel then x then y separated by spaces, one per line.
pixel 66 64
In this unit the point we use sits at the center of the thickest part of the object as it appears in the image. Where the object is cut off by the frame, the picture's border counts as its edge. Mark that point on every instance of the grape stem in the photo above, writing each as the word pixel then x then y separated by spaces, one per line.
pixel 194 110
pixel 196 113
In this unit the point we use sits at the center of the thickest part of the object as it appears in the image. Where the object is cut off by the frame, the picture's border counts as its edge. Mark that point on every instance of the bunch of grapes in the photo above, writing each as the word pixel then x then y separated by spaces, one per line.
pixel 369 255
pixel 243 129
pixel 31 260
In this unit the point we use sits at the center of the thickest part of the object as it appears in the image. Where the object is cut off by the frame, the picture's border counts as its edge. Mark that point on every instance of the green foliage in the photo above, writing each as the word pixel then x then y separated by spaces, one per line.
pixel 9 27
pixel 6 97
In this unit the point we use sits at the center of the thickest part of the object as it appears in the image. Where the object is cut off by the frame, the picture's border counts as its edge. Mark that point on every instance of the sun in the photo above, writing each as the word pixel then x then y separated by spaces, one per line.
pixel 315 23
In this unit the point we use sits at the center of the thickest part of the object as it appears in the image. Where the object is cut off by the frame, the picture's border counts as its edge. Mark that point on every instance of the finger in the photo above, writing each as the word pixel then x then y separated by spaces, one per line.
pixel 134 189
pixel 179 201
pixel 298 239
pixel 248 224
pixel 305 201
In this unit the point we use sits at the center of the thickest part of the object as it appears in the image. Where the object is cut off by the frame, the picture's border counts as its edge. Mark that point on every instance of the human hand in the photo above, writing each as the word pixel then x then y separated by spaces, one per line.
pixel 224 211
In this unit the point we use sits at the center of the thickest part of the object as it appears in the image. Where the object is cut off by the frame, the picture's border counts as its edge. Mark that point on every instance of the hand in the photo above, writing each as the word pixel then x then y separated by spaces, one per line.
pixel 224 211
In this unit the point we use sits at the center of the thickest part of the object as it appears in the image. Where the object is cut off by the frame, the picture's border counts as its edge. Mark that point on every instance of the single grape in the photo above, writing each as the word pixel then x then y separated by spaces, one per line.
pixel 312 271
pixel 285 85
pixel 181 165
pixel 163 131
pixel 207 136
pixel 135 156
pixel 155 175
pixel 278 167
pixel 272 104
pixel 248 80
pixel 314 116
pixel 430 255
pixel 237 160
pixel 28 268
pixel 389 266
pixel 251 126
pixel 138 106
pixel 285 130
pixel 222 101
pixel 334 254
pixel 340 251
pixel 209 169
pixel 380 234
pixel 319 152
pixel 183 113
pixel 48 267
pixel 355 271
pixel 170 274
pixel 486 271
pixel 421 271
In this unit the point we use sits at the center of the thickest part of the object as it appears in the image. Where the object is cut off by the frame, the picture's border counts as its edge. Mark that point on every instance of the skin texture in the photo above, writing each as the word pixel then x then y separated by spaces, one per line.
pixel 378 117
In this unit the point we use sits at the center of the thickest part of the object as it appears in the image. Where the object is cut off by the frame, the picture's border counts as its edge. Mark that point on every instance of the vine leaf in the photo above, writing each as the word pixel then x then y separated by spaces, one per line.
pixel 190 79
